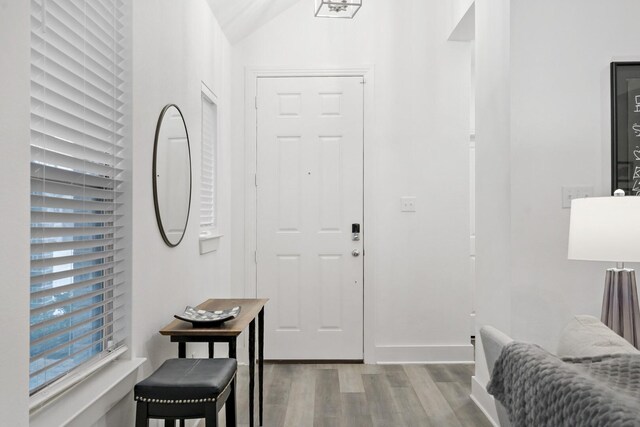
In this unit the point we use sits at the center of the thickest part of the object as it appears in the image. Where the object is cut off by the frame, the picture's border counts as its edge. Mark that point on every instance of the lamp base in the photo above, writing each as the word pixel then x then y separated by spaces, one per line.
pixel 620 310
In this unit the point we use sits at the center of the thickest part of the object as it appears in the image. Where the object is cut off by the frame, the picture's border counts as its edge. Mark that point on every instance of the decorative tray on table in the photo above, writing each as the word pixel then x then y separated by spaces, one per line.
pixel 207 318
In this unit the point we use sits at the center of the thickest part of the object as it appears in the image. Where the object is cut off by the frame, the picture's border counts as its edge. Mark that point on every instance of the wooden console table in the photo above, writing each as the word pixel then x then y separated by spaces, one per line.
pixel 183 332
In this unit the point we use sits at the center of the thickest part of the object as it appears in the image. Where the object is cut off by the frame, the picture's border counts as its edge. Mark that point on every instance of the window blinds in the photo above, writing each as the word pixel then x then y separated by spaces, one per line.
pixel 77 141
pixel 208 180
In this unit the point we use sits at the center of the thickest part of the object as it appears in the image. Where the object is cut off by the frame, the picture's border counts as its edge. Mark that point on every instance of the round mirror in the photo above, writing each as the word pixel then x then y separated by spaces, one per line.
pixel 172 175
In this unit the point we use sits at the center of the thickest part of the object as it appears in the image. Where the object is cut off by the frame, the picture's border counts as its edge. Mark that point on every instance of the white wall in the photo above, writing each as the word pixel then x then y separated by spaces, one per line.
pixel 493 167
pixel 542 123
pixel 561 136
pixel 14 204
pixel 419 142
pixel 176 47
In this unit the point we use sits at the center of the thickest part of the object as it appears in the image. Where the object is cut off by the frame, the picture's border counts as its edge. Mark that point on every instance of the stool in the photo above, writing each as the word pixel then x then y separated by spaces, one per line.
pixel 188 388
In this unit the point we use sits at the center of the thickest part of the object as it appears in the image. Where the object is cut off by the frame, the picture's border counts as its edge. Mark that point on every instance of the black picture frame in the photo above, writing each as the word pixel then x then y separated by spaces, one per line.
pixel 625 127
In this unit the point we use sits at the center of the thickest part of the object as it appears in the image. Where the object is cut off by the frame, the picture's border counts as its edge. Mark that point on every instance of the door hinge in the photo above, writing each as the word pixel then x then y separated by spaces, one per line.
pixel 255 179
pixel 256 102
pixel 255 256
pixel 363 82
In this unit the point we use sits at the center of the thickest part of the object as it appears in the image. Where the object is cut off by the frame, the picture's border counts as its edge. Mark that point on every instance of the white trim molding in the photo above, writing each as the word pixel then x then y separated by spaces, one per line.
pixel 85 403
pixel 250 91
pixel 406 354
pixel 484 401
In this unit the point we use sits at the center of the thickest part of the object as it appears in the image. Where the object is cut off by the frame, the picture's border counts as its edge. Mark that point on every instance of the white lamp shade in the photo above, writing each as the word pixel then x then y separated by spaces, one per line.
pixel 605 229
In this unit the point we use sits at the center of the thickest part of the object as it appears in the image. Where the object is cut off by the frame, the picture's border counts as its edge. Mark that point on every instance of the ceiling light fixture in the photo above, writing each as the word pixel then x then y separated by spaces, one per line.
pixel 337 8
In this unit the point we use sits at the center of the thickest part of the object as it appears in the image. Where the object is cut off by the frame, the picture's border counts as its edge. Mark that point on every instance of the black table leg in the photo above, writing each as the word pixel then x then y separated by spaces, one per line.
pixel 232 348
pixel 261 358
pixel 252 367
pixel 211 352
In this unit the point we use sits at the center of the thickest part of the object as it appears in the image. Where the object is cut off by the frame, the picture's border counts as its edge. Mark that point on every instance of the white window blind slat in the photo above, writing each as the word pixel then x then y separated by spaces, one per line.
pixel 61 331
pixel 70 316
pixel 80 39
pixel 66 288
pixel 65 61
pixel 71 177
pixel 79 73
pixel 57 233
pixel 75 106
pixel 68 204
pixel 48 249
pixel 82 296
pixel 208 165
pixel 97 111
pixel 95 333
pixel 85 152
pixel 90 163
pixel 44 278
pixel 39 186
pixel 68 132
pixel 75 70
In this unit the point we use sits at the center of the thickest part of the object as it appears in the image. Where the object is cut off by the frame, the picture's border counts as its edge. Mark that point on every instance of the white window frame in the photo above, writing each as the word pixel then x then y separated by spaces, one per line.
pixel 209 185
pixel 117 346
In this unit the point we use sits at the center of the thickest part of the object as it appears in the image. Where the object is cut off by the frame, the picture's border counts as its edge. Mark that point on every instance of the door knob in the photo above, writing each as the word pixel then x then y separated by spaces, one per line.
pixel 355 252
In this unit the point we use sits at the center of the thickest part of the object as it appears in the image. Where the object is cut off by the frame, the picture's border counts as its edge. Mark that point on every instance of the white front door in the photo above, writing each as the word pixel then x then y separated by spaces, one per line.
pixel 310 192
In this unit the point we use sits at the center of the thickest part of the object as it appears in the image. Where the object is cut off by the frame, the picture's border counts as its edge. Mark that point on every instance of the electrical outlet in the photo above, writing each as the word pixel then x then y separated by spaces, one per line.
pixel 408 204
pixel 570 193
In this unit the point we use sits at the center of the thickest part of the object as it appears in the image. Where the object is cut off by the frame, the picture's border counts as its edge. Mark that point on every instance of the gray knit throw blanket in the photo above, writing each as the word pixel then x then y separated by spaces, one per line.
pixel 539 389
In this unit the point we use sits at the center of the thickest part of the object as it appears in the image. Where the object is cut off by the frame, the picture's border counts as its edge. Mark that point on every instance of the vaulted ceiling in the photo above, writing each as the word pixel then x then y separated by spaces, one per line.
pixel 239 18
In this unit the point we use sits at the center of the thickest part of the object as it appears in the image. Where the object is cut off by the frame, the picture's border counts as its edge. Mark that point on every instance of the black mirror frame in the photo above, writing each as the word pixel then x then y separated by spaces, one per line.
pixel 155 184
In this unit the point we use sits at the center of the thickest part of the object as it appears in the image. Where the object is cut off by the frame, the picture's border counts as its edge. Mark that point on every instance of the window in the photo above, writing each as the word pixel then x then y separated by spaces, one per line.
pixel 208 181
pixel 78 137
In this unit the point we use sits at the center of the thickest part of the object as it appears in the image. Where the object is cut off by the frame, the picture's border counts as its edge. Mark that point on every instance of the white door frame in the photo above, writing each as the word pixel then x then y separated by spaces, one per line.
pixel 250 220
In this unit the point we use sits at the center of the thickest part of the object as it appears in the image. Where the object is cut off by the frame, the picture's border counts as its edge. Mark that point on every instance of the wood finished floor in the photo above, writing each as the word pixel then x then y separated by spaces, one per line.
pixel 344 395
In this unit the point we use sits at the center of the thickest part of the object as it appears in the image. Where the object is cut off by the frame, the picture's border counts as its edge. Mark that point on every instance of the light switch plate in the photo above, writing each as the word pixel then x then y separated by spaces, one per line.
pixel 570 193
pixel 408 204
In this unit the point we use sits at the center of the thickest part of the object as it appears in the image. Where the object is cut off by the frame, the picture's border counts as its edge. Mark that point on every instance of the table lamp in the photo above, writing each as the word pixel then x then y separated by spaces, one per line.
pixel 608 229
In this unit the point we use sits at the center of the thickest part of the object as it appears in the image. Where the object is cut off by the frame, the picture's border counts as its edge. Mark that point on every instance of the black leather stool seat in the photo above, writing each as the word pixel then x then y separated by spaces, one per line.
pixel 187 381
pixel 188 388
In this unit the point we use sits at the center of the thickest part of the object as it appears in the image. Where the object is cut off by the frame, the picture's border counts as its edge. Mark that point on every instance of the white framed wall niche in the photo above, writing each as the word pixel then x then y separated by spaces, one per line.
pixel 209 235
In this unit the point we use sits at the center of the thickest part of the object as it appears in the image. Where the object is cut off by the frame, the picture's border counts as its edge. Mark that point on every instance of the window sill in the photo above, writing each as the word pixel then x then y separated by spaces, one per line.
pixel 89 400
pixel 209 242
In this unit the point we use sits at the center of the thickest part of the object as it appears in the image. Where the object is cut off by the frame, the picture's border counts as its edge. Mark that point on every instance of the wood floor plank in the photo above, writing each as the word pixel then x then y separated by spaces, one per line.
pixel 327 404
pixel 384 412
pixel 355 410
pixel 276 397
pixel 301 406
pixel 357 395
pixel 434 403
pixel 350 379
pixel 465 410
pixel 461 373
pixel 396 375
pixel 409 407
pixel 440 373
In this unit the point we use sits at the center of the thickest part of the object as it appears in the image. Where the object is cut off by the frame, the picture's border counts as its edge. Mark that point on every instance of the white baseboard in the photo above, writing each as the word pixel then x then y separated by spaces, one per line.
pixel 484 401
pixel 424 354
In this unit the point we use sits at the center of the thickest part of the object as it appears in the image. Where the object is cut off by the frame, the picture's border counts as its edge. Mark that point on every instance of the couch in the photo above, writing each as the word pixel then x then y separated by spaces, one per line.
pixel 584 336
